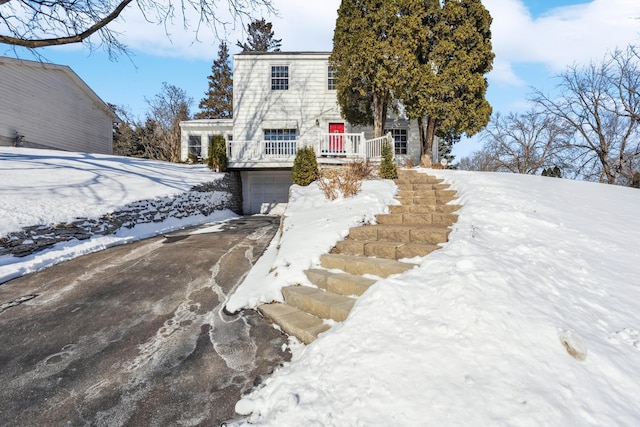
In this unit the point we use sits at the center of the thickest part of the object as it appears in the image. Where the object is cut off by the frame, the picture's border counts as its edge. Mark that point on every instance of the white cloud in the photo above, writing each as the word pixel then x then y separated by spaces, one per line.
pixel 562 36
pixel 301 26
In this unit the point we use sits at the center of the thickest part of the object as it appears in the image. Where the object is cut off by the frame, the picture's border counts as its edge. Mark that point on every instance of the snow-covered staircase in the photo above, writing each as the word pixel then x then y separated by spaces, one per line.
pixel 413 229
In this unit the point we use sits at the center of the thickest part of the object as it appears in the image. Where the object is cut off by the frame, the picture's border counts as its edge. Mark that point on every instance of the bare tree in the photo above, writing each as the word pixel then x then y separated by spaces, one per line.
pixel 36 23
pixel 167 109
pixel 524 143
pixel 601 104
pixel 478 161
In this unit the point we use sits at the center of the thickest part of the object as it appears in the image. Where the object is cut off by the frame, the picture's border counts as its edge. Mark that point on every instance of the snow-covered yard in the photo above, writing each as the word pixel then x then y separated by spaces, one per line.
pixel 48 187
pixel 477 334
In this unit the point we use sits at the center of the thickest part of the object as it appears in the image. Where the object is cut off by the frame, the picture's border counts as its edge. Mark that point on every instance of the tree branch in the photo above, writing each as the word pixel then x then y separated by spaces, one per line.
pixel 36 43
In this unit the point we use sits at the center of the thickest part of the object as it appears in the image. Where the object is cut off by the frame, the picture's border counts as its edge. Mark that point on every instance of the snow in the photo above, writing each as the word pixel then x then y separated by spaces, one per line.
pixel 482 331
pixel 311 227
pixel 48 187
pixel 527 316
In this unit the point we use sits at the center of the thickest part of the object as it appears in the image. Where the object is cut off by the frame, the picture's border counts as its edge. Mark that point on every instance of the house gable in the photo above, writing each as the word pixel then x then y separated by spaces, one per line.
pixel 52 108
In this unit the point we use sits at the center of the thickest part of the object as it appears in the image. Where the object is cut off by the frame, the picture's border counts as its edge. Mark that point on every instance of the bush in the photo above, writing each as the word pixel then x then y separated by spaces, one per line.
pixel 387 166
pixel 305 167
pixel 360 169
pixel 217 159
pixel 334 182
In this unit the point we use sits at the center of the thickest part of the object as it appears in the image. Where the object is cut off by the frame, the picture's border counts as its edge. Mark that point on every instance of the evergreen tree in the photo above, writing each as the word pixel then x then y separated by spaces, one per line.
pixel 454 53
pixel 218 103
pixel 446 140
pixel 305 167
pixel 217 159
pixel 260 38
pixel 373 49
pixel 388 168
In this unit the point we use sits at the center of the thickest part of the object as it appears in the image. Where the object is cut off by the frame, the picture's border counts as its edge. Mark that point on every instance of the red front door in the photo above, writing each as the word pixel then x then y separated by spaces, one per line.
pixel 335 141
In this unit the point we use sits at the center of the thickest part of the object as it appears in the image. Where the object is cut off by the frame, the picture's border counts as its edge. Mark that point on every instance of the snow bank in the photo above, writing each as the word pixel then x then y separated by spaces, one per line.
pixel 311 227
pixel 49 186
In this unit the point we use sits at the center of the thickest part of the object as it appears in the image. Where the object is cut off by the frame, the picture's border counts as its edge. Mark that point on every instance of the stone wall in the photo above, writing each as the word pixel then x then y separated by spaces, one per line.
pixel 204 199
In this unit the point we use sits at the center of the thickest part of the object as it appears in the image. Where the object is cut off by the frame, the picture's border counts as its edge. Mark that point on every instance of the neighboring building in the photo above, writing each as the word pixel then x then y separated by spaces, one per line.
pixel 281 102
pixel 48 106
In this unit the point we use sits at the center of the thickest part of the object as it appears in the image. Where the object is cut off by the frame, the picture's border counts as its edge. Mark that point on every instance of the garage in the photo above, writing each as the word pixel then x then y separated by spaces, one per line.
pixel 265 192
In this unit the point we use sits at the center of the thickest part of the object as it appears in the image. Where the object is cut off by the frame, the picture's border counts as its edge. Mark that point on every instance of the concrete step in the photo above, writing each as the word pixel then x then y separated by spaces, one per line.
pixel 318 302
pixel 431 234
pixel 387 250
pixel 423 209
pixel 293 321
pixel 404 182
pixel 427 193
pixel 339 283
pixel 417 219
pixel 423 186
pixel 426 200
pixel 361 265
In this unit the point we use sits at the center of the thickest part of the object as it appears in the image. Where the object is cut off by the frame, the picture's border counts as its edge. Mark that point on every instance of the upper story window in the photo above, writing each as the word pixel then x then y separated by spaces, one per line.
pixel 331 79
pixel 280 77
pixel 399 139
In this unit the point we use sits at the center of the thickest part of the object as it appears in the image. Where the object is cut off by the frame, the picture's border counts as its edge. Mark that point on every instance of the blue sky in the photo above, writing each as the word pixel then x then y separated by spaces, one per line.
pixel 534 40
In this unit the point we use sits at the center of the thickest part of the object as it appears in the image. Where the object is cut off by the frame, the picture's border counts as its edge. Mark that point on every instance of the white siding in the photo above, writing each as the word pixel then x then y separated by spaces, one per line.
pixel 52 108
pixel 256 107
pixel 205 129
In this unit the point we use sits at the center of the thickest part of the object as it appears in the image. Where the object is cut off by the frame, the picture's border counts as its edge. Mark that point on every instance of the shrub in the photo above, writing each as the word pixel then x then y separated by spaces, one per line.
pixel 305 167
pixel 217 159
pixel 334 182
pixel 360 169
pixel 387 166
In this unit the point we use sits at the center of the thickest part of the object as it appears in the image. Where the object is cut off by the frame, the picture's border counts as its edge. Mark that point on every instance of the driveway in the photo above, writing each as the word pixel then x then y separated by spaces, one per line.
pixel 135 335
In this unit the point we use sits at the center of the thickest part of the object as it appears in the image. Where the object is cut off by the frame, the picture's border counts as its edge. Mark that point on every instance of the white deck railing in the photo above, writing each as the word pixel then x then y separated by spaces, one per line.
pixel 343 145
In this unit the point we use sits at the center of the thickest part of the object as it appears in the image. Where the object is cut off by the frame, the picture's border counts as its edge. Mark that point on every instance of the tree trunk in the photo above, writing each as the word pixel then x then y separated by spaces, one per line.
pixel 427 143
pixel 379 113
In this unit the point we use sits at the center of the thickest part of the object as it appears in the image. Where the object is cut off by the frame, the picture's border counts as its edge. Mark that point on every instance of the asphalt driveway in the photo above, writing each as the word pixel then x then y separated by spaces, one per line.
pixel 135 335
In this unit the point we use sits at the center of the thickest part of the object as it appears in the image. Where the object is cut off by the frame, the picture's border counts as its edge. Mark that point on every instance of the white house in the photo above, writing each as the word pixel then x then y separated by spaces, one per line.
pixel 48 106
pixel 281 102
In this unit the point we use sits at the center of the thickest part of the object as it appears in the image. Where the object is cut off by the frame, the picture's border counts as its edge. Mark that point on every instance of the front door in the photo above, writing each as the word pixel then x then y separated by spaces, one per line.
pixel 335 137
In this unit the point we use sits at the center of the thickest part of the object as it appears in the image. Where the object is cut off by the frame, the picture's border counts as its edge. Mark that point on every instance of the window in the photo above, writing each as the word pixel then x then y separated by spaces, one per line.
pixel 280 141
pixel 195 146
pixel 399 139
pixel 280 77
pixel 331 79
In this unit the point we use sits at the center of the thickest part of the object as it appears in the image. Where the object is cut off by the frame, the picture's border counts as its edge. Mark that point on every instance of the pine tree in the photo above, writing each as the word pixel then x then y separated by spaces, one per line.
pixel 260 38
pixel 454 54
pixel 373 50
pixel 218 103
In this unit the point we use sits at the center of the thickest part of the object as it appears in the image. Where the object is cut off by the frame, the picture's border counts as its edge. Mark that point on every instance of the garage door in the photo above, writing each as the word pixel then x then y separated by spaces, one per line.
pixel 266 191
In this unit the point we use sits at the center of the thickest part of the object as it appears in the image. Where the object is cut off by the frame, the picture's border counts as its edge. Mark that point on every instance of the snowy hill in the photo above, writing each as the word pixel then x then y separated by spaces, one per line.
pixel 479 333
pixel 48 187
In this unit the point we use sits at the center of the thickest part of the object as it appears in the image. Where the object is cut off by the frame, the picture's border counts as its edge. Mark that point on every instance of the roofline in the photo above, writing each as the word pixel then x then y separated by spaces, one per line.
pixel 67 70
